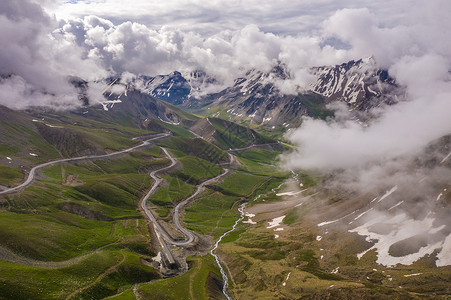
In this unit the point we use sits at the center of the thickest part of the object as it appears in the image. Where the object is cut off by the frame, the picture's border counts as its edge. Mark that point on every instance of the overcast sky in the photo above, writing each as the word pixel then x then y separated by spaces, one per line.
pixel 44 41
pixel 207 17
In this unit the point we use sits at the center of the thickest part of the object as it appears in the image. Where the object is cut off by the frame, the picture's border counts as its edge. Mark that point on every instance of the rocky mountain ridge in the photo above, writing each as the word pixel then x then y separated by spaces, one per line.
pixel 257 96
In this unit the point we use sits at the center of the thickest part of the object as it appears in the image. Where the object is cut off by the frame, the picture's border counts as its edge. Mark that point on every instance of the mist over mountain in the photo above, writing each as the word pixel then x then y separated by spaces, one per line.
pixel 309 143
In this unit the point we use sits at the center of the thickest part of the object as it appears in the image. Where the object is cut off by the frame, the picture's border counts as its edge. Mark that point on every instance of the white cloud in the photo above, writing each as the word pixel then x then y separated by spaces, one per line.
pixel 211 17
pixel 38 62
pixel 419 58
pixel 222 38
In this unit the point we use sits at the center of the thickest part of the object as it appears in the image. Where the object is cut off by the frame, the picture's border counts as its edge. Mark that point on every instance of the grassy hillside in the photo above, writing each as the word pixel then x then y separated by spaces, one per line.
pixel 231 135
pixel 195 147
pixel 200 282
pixel 77 231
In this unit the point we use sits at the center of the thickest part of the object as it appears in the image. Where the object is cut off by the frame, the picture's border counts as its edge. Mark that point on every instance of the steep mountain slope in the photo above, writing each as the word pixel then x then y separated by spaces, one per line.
pixel 173 88
pixel 358 83
pixel 180 89
pixel 226 134
pixel 257 98
pixel 326 240
pixel 139 105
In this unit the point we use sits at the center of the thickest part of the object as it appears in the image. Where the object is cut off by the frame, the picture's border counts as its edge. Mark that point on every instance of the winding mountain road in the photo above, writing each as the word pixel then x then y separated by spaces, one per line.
pixel 253 146
pixel 190 237
pixel 72 159
pixel 179 206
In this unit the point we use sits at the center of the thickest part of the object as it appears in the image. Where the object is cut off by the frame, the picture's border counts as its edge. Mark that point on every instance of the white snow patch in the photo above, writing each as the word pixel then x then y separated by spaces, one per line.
pixel 249 219
pixel 446 157
pixel 33 154
pixel 319 238
pixel 109 102
pixel 396 205
pixel 288 277
pixel 277 188
pixel 276 236
pixel 415 274
pixel 53 126
pixel 330 222
pixel 278 229
pixel 172 123
pixel 403 228
pixel 388 193
pixel 435 230
pixel 157 258
pixel 289 193
pixel 372 91
pixel 444 257
pixel 335 271
pixel 275 222
pixel 359 216
pixel 321 257
pixel 8 158
pixel 439 196
pixel 298 205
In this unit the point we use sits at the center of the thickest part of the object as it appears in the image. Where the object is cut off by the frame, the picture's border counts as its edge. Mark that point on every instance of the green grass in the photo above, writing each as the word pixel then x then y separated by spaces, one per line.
pixel 8 150
pixel 53 172
pixel 26 282
pixel 182 113
pixel 211 214
pixel 241 184
pixel 125 295
pixel 231 135
pixel 10 175
pixel 260 155
pixel 232 236
pixel 130 272
pixel 291 217
pixel 312 266
pixel 195 168
pixel 24 139
pixel 316 106
pixel 195 147
pixel 175 191
pixel 194 284
pixel 259 168
pixel 108 193
pixel 59 235
pixel 159 126
pixel 126 164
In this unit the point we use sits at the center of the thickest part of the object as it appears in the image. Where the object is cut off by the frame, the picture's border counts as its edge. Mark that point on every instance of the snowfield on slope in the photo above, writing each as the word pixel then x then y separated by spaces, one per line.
pixel 403 227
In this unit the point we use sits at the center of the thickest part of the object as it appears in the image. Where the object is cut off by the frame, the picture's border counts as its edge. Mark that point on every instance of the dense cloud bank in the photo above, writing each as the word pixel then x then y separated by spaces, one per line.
pixel 41 51
pixel 34 63
pixel 418 56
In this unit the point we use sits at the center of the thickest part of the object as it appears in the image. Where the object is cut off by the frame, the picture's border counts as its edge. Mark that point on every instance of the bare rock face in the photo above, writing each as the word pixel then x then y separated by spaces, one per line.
pixel 358 83
pixel 257 97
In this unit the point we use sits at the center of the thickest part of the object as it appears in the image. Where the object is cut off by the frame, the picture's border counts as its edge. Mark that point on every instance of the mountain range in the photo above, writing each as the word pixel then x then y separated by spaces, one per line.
pixel 284 234
pixel 257 97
